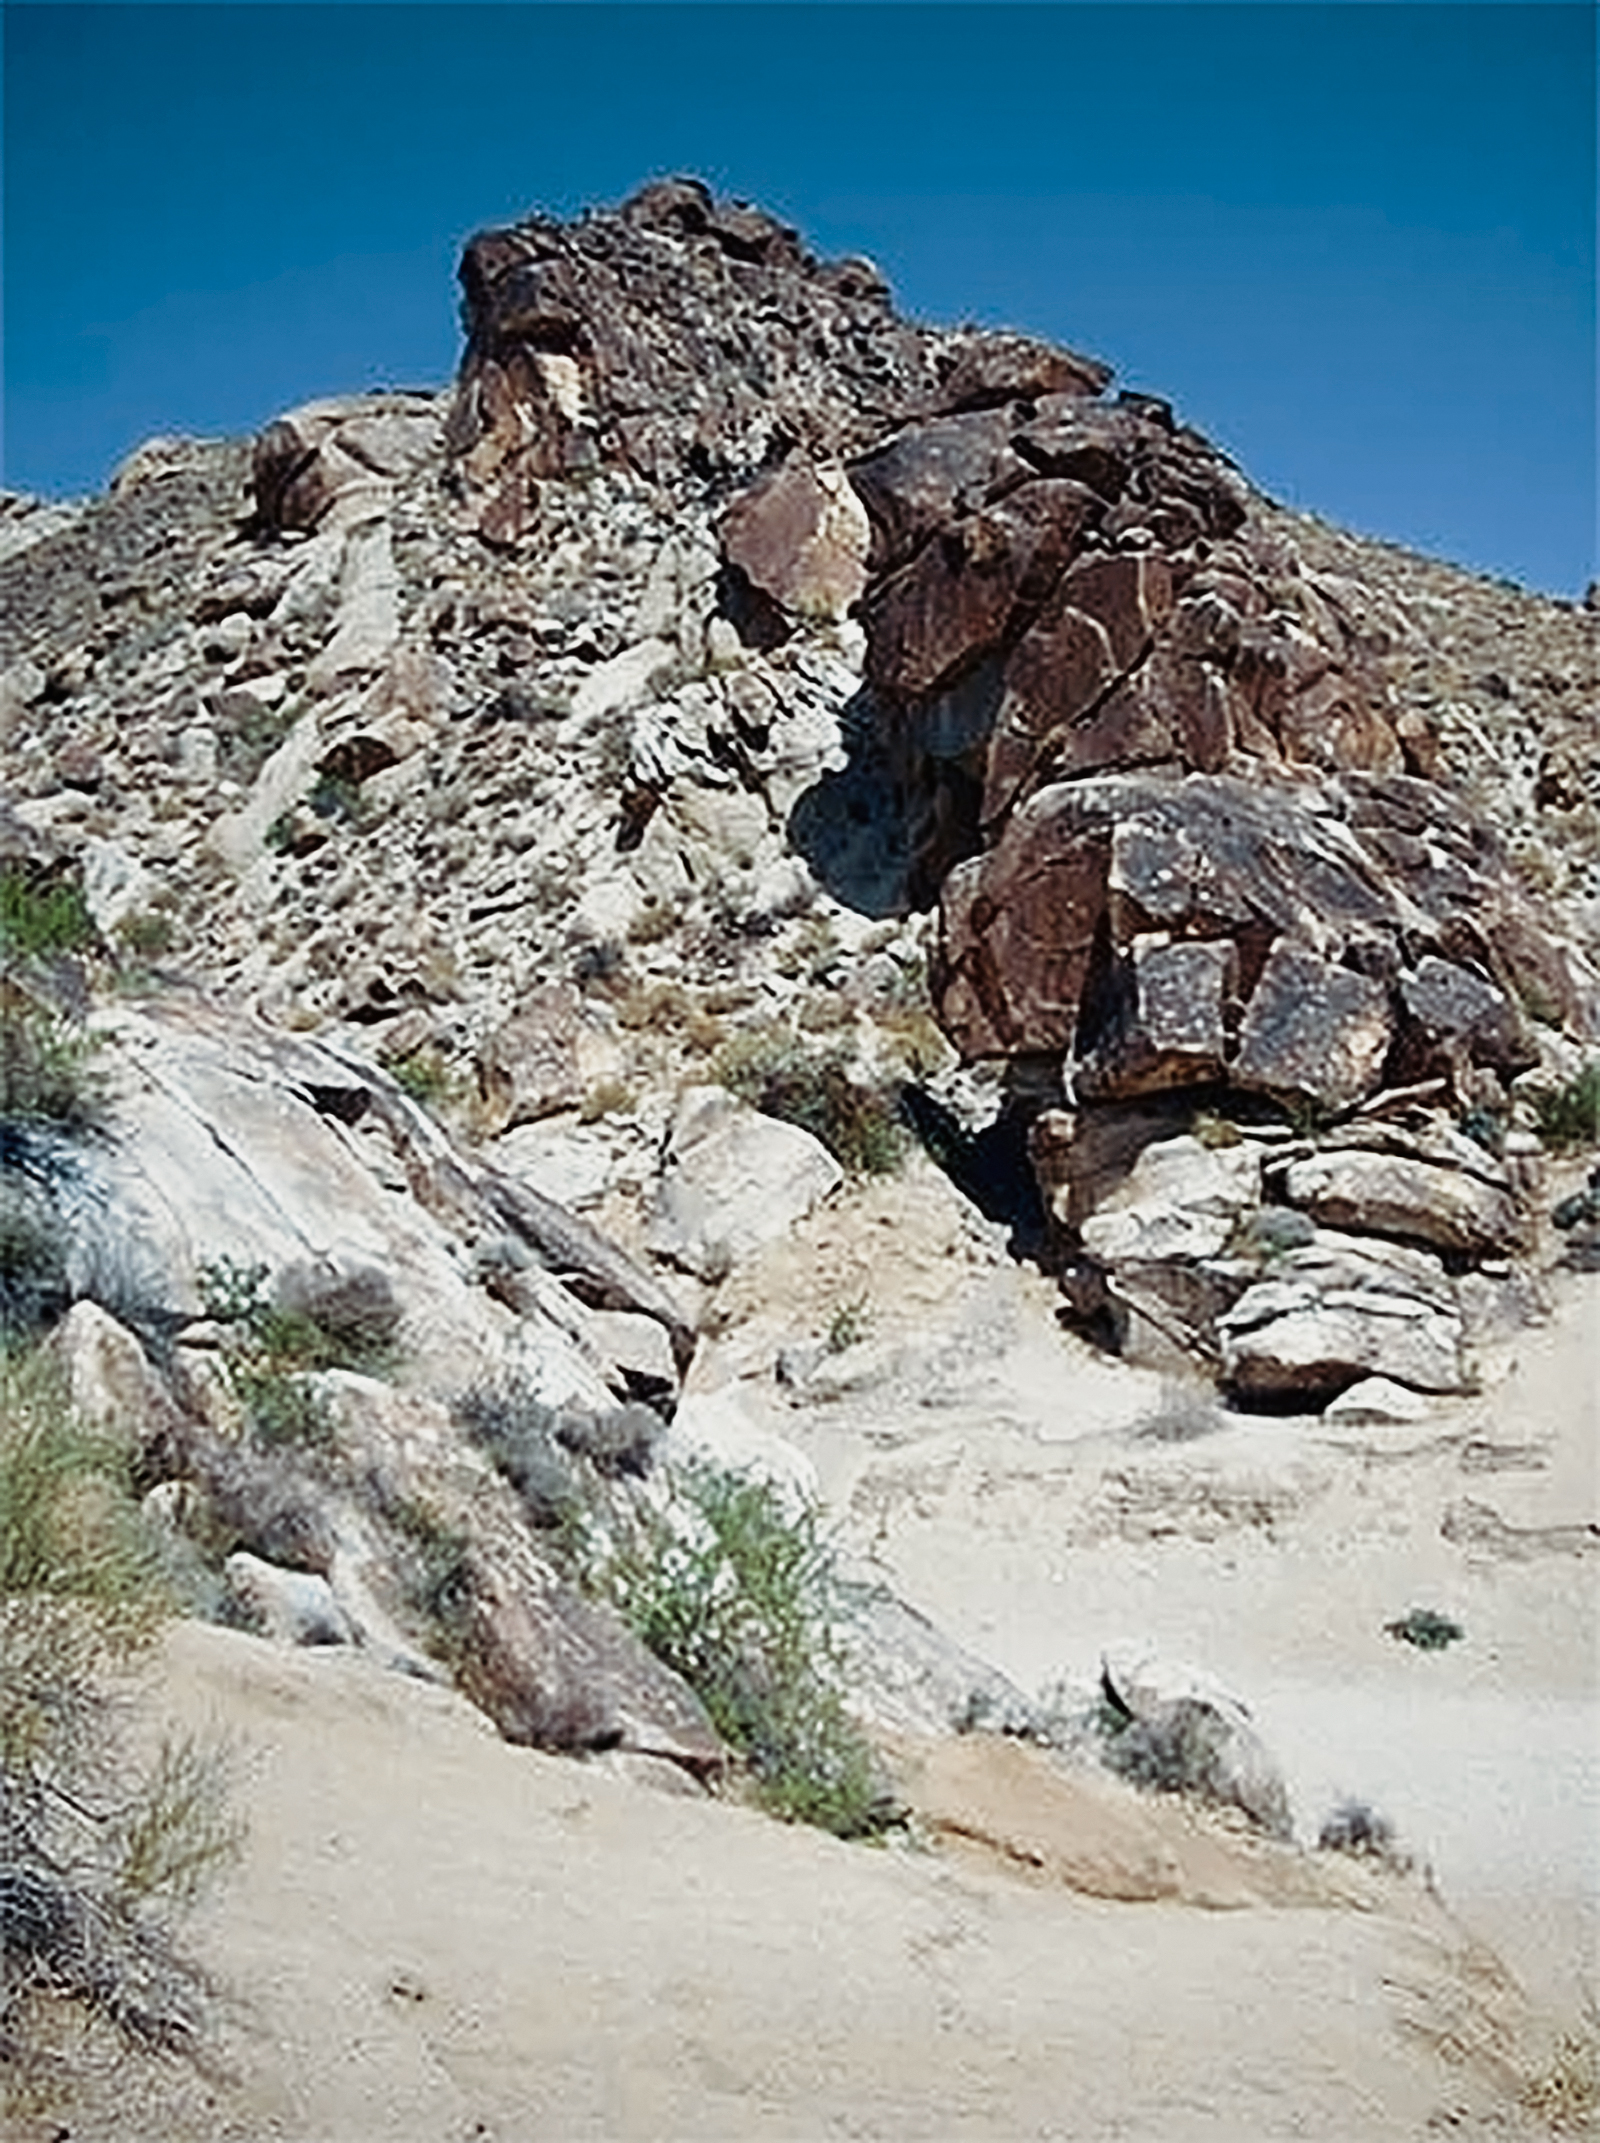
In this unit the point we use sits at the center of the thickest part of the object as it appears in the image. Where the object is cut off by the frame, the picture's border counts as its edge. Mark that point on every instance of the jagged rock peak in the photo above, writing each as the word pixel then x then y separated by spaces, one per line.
pixel 687 337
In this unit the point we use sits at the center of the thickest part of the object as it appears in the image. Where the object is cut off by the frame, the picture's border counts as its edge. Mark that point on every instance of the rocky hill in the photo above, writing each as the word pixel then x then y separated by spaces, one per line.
pixel 543 854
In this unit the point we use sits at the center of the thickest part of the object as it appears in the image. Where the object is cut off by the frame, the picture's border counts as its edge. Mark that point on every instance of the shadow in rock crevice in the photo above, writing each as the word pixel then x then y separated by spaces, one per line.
pixel 881 833
pixel 991 1167
pixel 854 826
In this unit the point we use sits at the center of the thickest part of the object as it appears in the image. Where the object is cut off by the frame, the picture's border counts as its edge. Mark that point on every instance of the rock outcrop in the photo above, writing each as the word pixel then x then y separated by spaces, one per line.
pixel 717 628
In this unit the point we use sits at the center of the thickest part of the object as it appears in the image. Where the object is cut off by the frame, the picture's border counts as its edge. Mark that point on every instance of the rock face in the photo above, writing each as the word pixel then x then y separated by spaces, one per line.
pixel 689 336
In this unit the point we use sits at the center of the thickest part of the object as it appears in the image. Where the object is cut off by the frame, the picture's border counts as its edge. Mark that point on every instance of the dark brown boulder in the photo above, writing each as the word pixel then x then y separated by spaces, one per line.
pixel 995 370
pixel 963 593
pixel 801 536
pixel 683 336
pixel 1314 1030
pixel 1173 929
pixel 1452 1017
pixel 1018 932
pixel 1170 1025
pixel 914 487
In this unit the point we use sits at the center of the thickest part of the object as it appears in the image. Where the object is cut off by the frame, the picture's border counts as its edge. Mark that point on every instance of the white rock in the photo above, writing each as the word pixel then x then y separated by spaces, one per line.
pixel 572 1166
pixel 20 686
pixel 289 1606
pixel 1377 1399
pixel 714 1427
pixel 367 622
pixel 1182 1199
pixel 114 884
pixel 110 1381
pixel 733 1180
pixel 228 637
pixel 222 1148
pixel 615 686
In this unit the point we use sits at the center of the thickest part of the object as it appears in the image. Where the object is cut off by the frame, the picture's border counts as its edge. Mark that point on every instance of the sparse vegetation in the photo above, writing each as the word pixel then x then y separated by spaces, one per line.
pixel 49 1071
pixel 248 734
pixel 276 1351
pixel 734 1589
pixel 41 915
pixel 145 934
pixel 93 1856
pixel 1426 1629
pixel 849 1324
pixel 423 1076
pixel 1357 1828
pixel 607 1097
pixel 1564 2094
pixel 439 1583
pixel 1570 1115
pixel 858 1123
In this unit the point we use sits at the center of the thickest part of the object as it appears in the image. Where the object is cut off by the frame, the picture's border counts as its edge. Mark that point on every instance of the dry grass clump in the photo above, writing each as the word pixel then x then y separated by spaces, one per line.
pixel 1564 2094
pixel 96 1854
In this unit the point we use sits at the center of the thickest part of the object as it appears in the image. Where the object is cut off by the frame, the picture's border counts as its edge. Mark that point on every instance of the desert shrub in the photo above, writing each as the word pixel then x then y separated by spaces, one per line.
pixel 1426 1629
pixel 1564 2092
pixel 1356 1827
pixel 352 1328
pixel 517 1431
pixel 607 1097
pixel 283 1408
pixel 736 1591
pixel 275 1352
pixel 422 1075
pixel 1271 1232
pixel 147 933
pixel 94 1852
pixel 533 1445
pixel 248 733
pixel 1570 1115
pixel 619 1442
pixel 850 1323
pixel 49 1072
pixel 859 1124
pixel 435 1573
pixel 43 915
pixel 599 962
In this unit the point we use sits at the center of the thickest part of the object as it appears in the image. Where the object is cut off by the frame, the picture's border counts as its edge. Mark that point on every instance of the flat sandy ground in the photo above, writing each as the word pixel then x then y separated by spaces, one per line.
pixel 434 1936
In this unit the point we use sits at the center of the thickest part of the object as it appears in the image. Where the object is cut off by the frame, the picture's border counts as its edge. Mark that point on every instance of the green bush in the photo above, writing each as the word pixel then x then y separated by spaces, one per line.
pixel 39 915
pixel 439 1581
pixel 285 1342
pixel 1428 1630
pixel 422 1075
pixel 49 1073
pixel 859 1124
pixel 736 1593
pixel 1570 1116
pixel 275 1351
pixel 91 1849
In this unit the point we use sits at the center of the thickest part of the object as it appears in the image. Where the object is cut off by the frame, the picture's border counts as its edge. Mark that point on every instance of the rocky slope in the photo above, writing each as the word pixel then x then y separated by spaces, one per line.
pixel 731 684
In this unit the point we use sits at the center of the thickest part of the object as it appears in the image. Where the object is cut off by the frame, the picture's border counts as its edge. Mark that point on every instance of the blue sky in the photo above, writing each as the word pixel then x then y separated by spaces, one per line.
pixel 1354 243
